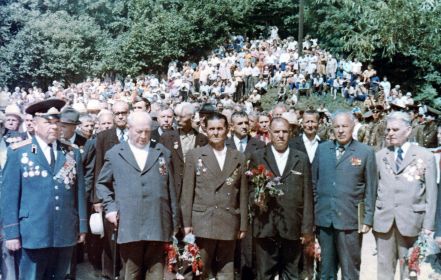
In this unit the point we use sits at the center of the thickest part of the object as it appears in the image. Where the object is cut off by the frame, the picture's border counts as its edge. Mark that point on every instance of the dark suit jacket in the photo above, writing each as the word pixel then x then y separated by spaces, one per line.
pixel 253 145
pixel 144 199
pixel 170 139
pixel 214 201
pixel 340 185
pixel 298 144
pixel 291 214
pixel 88 158
pixel 105 140
pixel 155 136
pixel 80 141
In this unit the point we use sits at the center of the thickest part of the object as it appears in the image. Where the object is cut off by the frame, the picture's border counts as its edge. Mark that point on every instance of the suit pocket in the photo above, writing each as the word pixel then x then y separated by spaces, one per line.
pixel 419 208
pixel 199 208
pixel 23 214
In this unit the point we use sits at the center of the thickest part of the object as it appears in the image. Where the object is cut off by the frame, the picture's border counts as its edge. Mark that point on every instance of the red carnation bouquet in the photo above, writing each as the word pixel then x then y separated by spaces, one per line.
pixel 178 259
pixel 265 186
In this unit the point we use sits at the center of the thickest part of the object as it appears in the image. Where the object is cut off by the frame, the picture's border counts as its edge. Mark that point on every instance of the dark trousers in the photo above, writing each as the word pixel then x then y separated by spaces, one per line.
pixel 339 248
pixel 217 257
pixel 143 260
pixel 245 256
pixel 277 256
pixel 110 267
pixel 47 263
pixel 9 262
pixel 77 257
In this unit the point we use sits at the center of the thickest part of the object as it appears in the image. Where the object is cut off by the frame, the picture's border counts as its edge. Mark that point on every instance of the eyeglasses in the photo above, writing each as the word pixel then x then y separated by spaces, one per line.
pixel 120 113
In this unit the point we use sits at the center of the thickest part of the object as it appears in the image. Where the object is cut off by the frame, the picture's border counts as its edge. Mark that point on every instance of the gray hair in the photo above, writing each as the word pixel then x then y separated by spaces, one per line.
pixel 400 116
pixel 87 118
pixel 343 113
pixel 187 107
pixel 280 105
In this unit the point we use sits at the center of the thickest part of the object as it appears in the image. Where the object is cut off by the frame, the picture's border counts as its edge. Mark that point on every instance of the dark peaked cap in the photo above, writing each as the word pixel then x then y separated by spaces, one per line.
pixel 48 109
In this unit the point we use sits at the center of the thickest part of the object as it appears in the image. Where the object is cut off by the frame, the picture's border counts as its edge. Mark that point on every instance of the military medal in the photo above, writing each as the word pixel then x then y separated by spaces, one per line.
pixel 37 170
pixel 44 173
pixel 31 163
pixel 25 173
pixel 31 173
pixel 24 158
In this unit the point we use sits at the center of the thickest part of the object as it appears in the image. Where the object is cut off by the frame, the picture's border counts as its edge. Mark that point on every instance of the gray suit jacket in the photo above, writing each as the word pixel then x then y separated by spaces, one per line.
pixel 214 201
pixel 406 196
pixel 145 199
pixel 340 185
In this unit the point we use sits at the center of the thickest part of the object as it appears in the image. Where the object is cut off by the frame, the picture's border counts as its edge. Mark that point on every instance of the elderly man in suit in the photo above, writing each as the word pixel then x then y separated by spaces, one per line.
pixel 278 230
pixel 214 199
pixel 139 198
pixel 105 140
pixel 181 141
pixel 244 143
pixel 308 141
pixel 345 184
pixel 165 120
pixel 407 193
pixel 43 202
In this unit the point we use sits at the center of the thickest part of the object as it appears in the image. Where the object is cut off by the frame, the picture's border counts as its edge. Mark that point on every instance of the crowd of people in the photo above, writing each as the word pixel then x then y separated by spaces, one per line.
pixel 113 170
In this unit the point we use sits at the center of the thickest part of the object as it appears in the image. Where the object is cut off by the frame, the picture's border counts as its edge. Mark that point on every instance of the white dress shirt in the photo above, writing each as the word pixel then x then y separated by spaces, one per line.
pixel 405 147
pixel 220 156
pixel 140 154
pixel 119 131
pixel 281 159
pixel 46 149
pixel 311 146
pixel 243 141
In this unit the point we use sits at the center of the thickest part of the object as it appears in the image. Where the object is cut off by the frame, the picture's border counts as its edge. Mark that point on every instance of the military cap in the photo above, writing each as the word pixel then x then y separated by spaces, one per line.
pixel 70 116
pixel 397 107
pixel 48 109
pixel 432 112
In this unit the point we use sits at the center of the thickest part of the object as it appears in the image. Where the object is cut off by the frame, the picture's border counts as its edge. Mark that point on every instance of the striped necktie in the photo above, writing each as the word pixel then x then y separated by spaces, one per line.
pixel 399 159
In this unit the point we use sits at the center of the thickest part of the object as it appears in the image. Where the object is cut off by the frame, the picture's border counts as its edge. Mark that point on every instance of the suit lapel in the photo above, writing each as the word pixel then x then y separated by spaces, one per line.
pixel 390 157
pixel 61 158
pixel 230 143
pixel 291 162
pixel 408 159
pixel 271 161
pixel 176 139
pixel 230 162
pixel 127 154
pixel 154 153
pixel 348 152
pixel 39 155
pixel 209 159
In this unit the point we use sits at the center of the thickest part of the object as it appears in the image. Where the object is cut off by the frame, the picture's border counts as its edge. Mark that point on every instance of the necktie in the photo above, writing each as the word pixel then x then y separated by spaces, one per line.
pixel 241 146
pixel 121 136
pixel 341 150
pixel 399 159
pixel 52 157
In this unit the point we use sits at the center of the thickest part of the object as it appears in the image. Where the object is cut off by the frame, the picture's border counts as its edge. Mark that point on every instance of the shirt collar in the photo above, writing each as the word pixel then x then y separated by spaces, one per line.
pixel 279 154
pixel 346 145
pixel 306 139
pixel 405 147
pixel 72 139
pixel 133 147
pixel 43 145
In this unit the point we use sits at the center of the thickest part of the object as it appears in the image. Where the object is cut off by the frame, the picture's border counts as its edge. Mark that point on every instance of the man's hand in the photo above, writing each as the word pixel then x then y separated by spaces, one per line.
pixel 188 230
pixel 241 234
pixel 112 217
pixel 365 229
pixel 307 238
pixel 13 244
pixel 81 238
pixel 98 207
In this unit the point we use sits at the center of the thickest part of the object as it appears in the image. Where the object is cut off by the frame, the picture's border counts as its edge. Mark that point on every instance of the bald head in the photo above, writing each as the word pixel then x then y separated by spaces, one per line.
pixel 140 126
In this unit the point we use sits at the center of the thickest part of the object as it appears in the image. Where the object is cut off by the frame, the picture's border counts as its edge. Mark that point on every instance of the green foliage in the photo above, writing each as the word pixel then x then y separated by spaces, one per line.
pixel 52 46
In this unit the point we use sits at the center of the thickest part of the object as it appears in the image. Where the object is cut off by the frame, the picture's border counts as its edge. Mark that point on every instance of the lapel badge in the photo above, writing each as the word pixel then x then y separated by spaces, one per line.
pixel 34 149
pixel 176 145
pixel 37 171
pixel 356 161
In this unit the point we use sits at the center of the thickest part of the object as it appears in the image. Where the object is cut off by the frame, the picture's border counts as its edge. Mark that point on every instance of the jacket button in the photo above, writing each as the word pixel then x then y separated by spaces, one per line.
pixel 56 197
pixel 215 206
pixel 56 187
pixel 57 208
